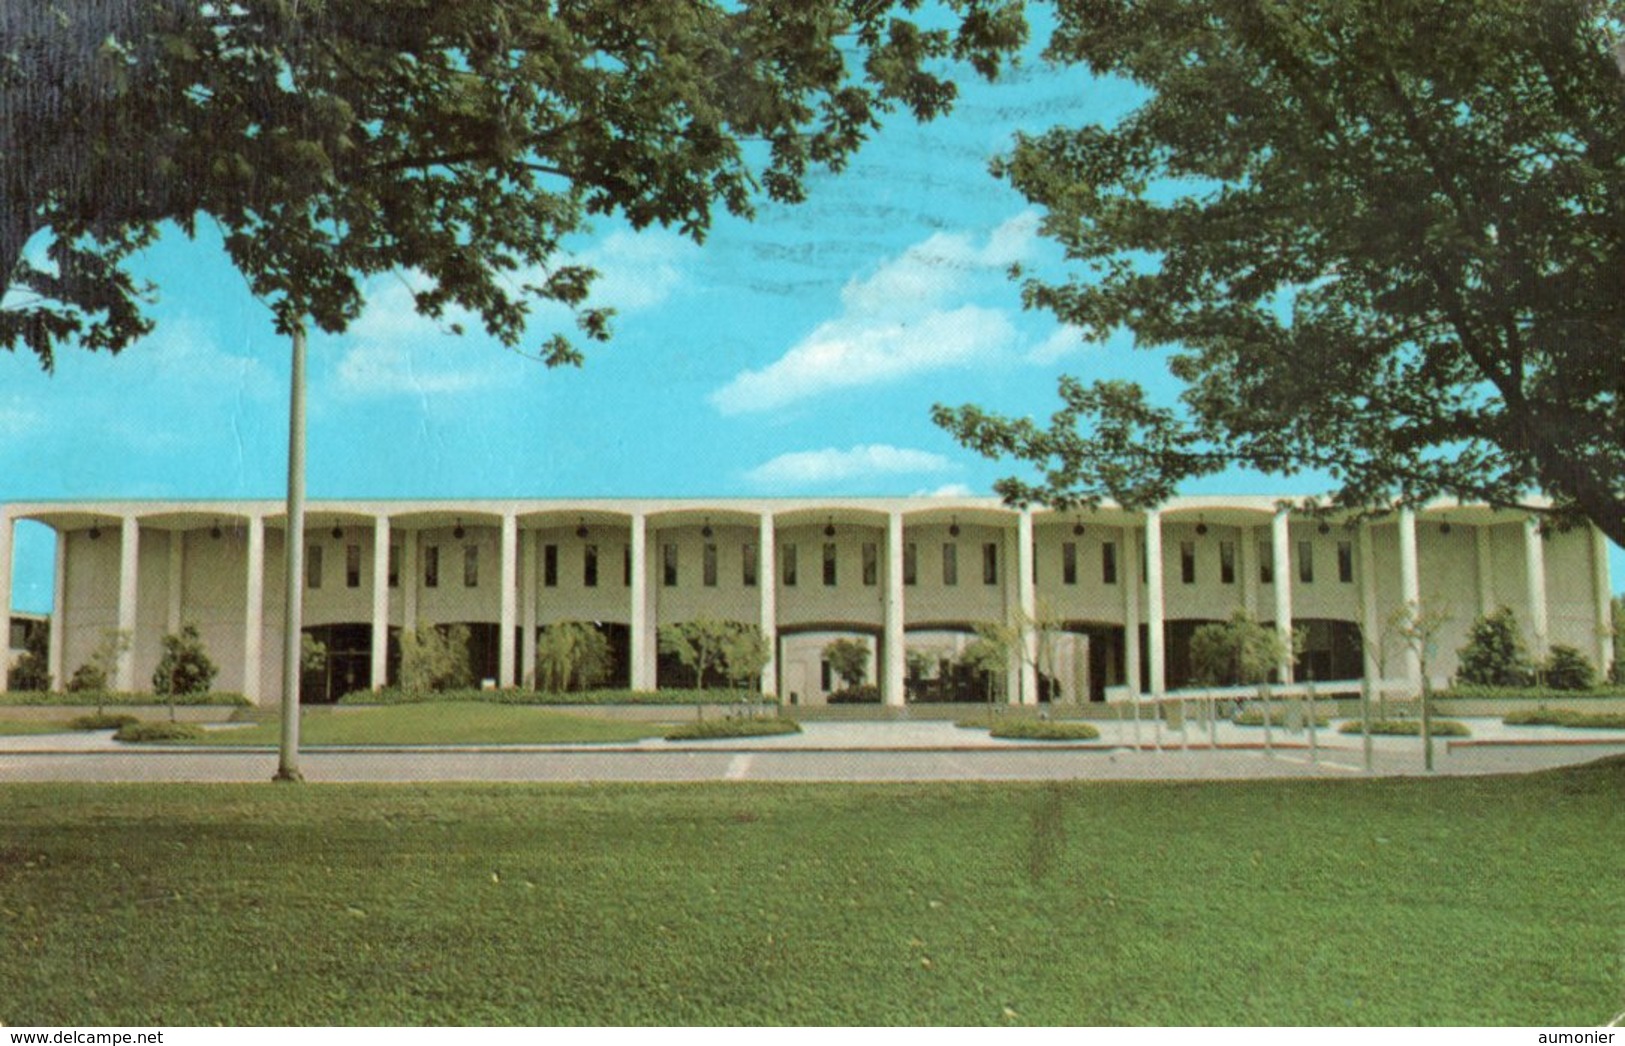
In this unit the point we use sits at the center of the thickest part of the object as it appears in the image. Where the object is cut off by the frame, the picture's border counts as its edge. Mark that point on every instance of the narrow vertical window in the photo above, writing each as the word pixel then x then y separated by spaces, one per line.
pixel 1266 563
pixel 550 566
pixel 747 565
pixel 708 565
pixel 824 680
pixel 668 565
pixel 352 566
pixel 990 563
pixel 1306 561
pixel 394 566
pixel 1345 562
pixel 788 555
pixel 1108 563
pixel 1187 562
pixel 1227 562
pixel 871 563
pixel 471 566
pixel 431 566
pixel 1069 563
pixel 589 566
pixel 313 566
pixel 626 565
pixel 950 563
pixel 911 563
pixel 829 563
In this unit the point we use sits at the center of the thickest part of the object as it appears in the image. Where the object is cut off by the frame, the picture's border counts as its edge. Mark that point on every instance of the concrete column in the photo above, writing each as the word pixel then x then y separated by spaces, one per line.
pixel 254 609
pixel 129 550
pixel 1281 560
pixel 508 615
pixel 1410 588
pixel 1153 603
pixel 59 606
pixel 1128 574
pixel 1534 563
pixel 1484 569
pixel 1247 567
pixel 8 529
pixel 1602 592
pixel 767 580
pixel 409 579
pixel 892 683
pixel 527 609
pixel 1370 626
pixel 642 629
pixel 380 602
pixel 177 573
pixel 1028 594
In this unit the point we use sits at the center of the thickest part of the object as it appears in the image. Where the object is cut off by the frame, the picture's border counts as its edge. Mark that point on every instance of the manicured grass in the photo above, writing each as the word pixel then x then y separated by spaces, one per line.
pixel 1390 901
pixel 448 723
pixel 706 729
pixel 17 727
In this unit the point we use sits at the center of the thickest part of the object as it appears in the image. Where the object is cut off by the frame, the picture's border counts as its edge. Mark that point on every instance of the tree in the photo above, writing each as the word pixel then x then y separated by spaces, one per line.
pixel 435 658
pixel 986 657
pixel 571 654
pixel 183 668
pixel 1380 239
pixel 702 644
pixel 1568 669
pixel 93 676
pixel 745 654
pixel 459 141
pixel 848 659
pixel 1235 652
pixel 1494 654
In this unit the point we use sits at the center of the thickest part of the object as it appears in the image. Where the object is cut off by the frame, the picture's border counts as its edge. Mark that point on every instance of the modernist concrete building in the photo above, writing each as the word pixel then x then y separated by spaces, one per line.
pixel 911 577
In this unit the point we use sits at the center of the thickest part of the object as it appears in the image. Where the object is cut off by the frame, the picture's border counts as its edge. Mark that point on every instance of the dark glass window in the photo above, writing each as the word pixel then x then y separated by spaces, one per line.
pixel 871 563
pixel 1345 562
pixel 990 563
pixel 394 566
pixel 708 565
pixel 1069 563
pixel 431 566
pixel 471 566
pixel 788 555
pixel 911 563
pixel 1306 561
pixel 352 566
pixel 950 564
pixel 829 563
pixel 1187 562
pixel 626 566
pixel 1108 563
pixel 313 566
pixel 1266 563
pixel 589 566
pixel 550 565
pixel 668 565
pixel 1227 562
pixel 747 565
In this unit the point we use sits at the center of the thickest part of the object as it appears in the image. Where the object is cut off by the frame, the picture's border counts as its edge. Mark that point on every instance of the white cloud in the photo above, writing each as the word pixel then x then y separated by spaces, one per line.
pixel 804 467
pixel 902 319
pixel 637 271
pixel 383 368
pixel 1065 341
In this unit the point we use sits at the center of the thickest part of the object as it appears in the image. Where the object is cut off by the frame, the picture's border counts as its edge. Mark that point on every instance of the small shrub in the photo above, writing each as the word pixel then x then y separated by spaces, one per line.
pixel 1568 669
pixel 96 698
pixel 1408 728
pixel 101 721
pixel 1016 728
pixel 142 732
pixel 1278 717
pixel 1565 717
pixel 1494 654
pixel 515 696
pixel 856 695
pixel 705 729
pixel 88 678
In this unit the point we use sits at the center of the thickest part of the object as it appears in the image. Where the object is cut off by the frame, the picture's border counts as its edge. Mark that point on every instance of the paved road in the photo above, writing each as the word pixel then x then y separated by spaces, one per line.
pixel 828 752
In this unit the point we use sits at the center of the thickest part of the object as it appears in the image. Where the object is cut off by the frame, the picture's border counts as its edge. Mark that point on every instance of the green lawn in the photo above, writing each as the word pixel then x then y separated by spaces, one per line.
pixel 443 723
pixel 1443 901
pixel 33 726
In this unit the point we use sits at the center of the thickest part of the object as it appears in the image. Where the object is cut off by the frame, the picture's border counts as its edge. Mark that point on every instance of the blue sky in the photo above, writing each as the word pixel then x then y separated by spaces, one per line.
pixel 799 354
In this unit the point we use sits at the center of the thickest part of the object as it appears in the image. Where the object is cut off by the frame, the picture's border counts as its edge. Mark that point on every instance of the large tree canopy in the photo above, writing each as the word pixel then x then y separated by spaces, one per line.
pixel 1381 238
pixel 332 139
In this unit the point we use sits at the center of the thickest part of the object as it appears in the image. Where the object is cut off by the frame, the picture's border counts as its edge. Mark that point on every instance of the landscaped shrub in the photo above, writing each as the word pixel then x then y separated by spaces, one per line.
pixel 32 670
pixel 856 695
pixel 1278 717
pixel 1565 717
pixel 1020 728
pixel 514 696
pixel 1408 728
pixel 1461 692
pixel 184 668
pixel 98 698
pixel 1494 654
pixel 88 678
pixel 848 659
pixel 435 658
pixel 1568 669
pixel 705 729
pixel 140 732
pixel 101 721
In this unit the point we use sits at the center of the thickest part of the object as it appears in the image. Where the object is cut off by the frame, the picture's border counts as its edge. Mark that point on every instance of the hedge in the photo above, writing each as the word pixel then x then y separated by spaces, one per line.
pixel 1278 717
pixel 102 721
pixel 705 729
pixel 1022 728
pixel 1408 728
pixel 162 731
pixel 1525 693
pixel 517 696
pixel 1565 717
pixel 92 698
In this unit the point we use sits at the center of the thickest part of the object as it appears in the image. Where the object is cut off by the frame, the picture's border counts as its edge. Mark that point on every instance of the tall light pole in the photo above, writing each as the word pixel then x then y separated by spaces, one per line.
pixel 294 563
